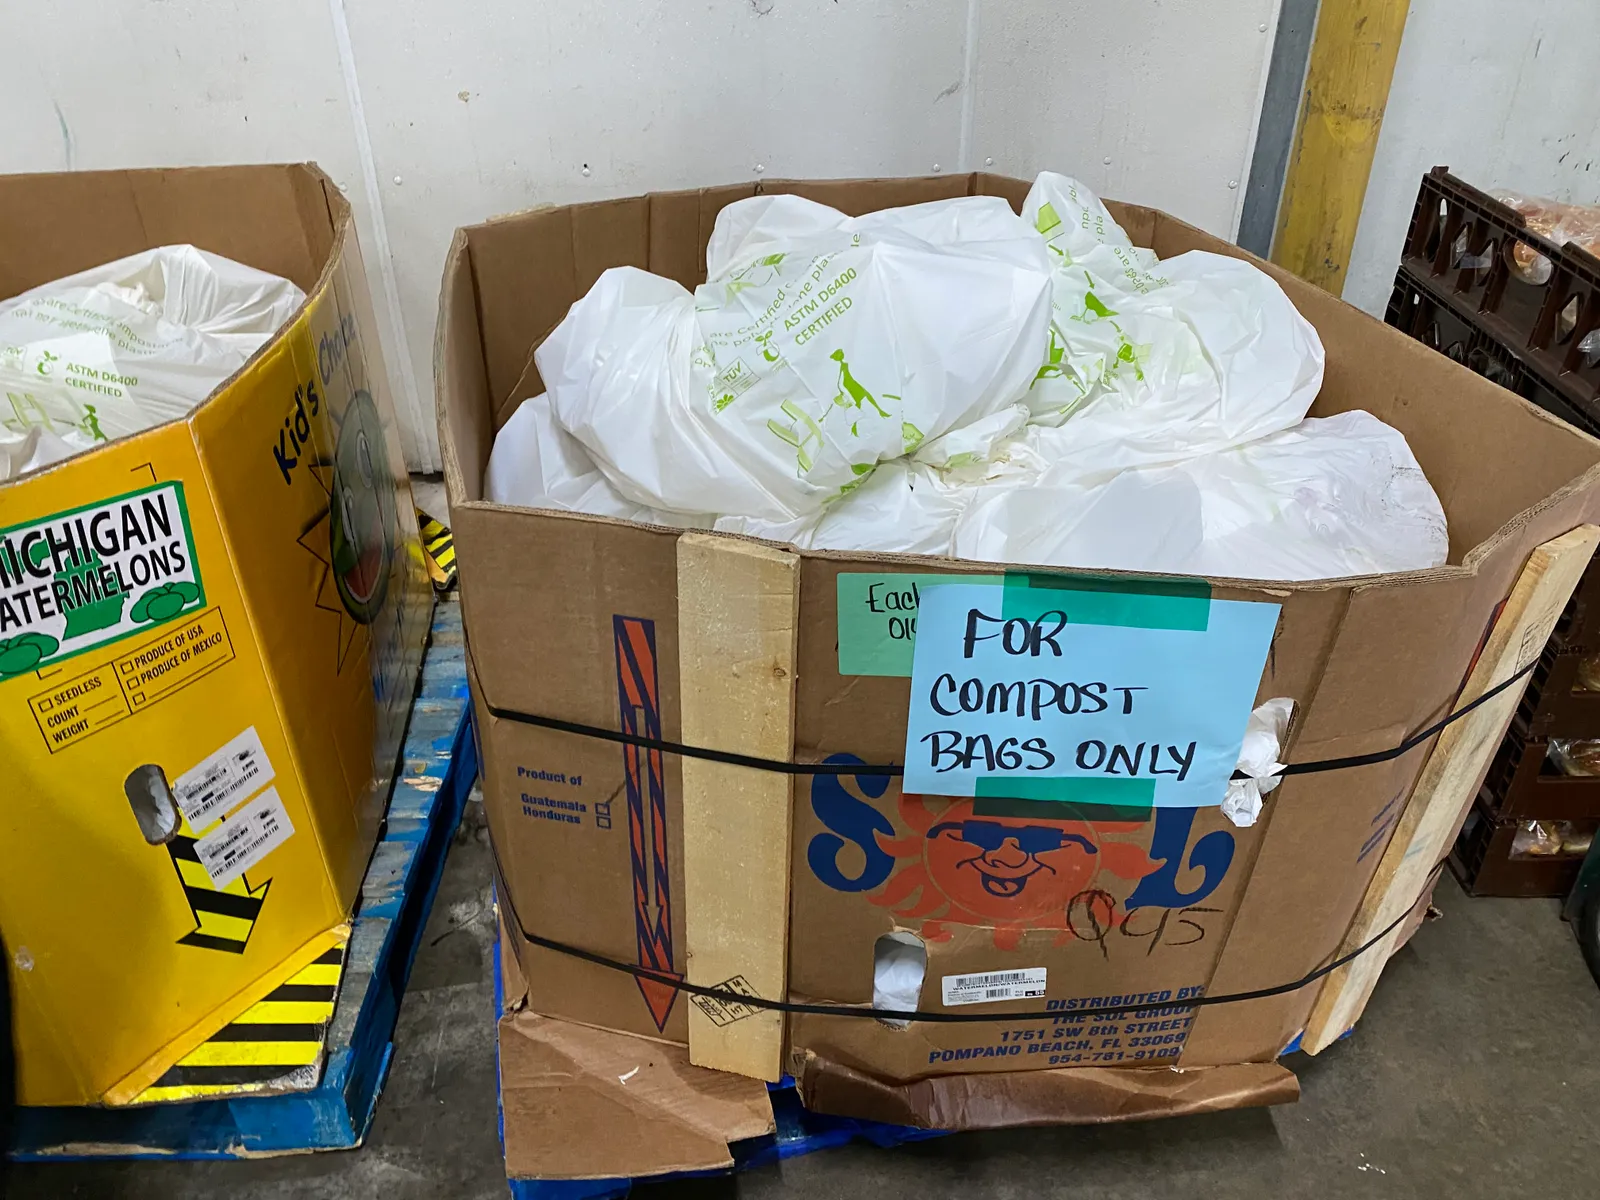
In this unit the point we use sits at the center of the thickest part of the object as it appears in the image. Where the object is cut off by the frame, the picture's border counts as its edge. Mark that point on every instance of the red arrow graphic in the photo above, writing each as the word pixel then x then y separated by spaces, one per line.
pixel 639 701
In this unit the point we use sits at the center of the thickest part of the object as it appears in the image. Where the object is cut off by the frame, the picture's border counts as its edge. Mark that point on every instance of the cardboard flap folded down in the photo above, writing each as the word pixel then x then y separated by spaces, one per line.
pixel 563 1084
pixel 1066 1096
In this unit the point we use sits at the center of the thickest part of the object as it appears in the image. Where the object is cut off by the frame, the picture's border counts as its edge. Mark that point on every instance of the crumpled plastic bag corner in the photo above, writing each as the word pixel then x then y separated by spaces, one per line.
pixel 1258 758
pixel 127 346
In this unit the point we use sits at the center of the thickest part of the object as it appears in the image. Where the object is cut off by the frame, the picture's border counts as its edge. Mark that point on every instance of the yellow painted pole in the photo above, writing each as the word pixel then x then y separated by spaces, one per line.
pixel 1347 90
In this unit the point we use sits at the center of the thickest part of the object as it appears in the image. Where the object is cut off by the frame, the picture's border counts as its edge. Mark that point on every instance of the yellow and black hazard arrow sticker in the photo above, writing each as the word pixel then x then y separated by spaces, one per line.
pixel 276 1045
pixel 224 917
pixel 439 549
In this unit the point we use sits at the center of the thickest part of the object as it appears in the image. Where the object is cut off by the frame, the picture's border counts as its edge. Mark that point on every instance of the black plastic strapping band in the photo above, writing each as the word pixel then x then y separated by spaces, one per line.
pixel 793 768
pixel 1412 742
pixel 666 747
pixel 503 895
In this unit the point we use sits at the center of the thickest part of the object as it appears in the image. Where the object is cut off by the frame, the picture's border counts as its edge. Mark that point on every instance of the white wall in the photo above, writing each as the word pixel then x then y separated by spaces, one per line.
pixel 138 83
pixel 1503 94
pixel 437 113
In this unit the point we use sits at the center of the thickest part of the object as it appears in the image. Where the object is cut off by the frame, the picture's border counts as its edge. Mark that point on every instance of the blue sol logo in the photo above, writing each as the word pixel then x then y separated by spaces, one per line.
pixel 1011 873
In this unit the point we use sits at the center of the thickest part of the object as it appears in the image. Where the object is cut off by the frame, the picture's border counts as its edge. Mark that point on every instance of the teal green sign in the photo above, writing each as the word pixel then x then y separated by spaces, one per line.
pixel 878 619
pixel 878 610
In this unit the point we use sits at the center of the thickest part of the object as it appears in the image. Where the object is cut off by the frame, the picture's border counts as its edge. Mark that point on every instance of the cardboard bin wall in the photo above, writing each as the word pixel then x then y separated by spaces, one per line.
pixel 592 620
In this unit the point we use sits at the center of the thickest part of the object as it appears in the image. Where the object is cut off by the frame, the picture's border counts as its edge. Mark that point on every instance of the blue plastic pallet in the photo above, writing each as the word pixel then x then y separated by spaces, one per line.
pixel 436 774
pixel 798 1132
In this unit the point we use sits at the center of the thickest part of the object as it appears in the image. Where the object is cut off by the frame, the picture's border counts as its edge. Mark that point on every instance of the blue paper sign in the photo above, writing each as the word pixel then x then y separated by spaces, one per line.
pixel 1086 691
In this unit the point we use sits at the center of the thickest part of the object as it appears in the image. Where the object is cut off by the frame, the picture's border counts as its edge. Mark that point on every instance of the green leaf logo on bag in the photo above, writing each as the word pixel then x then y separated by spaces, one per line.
pixel 87 577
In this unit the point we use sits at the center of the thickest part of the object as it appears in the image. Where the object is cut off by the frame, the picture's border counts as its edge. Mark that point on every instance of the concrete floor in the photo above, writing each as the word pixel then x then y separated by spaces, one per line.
pixel 1476 1073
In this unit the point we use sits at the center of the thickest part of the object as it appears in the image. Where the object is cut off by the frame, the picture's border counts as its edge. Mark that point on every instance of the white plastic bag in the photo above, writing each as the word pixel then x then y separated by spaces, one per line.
pixel 1162 427
pixel 821 346
pixel 127 346
pixel 899 964
pixel 1156 362
pixel 537 464
pixel 1258 759
pixel 910 506
pixel 1332 497
pixel 903 507
pixel 29 451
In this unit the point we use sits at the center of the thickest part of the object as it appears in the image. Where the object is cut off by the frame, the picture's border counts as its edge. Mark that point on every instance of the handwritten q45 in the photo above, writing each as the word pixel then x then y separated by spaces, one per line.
pixel 1082 693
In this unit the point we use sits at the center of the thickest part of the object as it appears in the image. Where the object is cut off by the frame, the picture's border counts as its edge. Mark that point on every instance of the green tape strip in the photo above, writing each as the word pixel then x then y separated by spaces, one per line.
pixel 1088 600
pixel 878 618
pixel 1057 810
pixel 877 610
pixel 1134 794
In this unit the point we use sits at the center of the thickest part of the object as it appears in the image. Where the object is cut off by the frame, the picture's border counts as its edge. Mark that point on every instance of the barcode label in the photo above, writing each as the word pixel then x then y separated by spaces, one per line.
pixel 245 838
pixel 239 769
pixel 1025 984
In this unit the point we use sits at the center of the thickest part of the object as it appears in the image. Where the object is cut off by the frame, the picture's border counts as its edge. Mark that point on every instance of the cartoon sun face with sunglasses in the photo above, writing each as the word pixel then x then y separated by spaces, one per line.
pixel 1011 873
pixel 1006 855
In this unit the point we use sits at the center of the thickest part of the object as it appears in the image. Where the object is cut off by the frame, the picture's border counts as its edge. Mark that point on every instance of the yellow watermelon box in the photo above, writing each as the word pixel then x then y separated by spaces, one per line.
pixel 209 639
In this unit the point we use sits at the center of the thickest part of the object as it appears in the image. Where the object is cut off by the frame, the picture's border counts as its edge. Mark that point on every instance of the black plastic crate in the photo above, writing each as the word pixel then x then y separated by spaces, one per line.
pixel 1420 310
pixel 1555 703
pixel 1463 248
pixel 1483 862
pixel 1524 784
pixel 1458 291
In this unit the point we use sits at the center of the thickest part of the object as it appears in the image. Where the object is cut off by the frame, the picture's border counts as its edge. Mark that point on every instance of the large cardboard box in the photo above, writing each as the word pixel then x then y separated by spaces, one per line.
pixel 710 871
pixel 251 649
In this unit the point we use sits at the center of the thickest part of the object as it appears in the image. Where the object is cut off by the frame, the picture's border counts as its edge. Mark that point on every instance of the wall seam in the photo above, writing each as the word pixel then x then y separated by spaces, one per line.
pixel 1277 121
pixel 413 419
pixel 969 64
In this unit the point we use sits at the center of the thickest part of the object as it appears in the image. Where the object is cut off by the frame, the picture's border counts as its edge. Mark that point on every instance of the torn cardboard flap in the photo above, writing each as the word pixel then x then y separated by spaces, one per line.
pixel 1065 1096
pixel 584 1103
pixel 513 986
